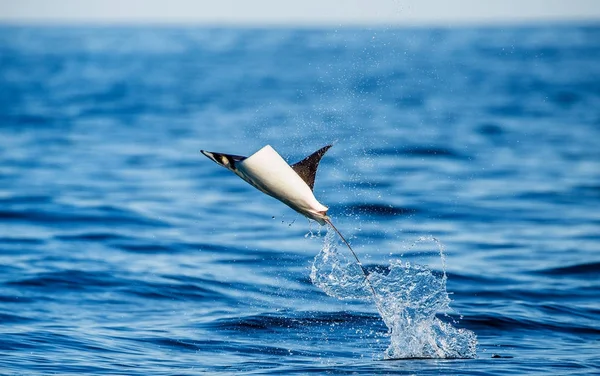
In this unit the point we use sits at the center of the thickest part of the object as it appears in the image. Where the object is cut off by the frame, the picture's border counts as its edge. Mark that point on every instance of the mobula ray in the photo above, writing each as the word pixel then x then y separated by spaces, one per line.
pixel 293 185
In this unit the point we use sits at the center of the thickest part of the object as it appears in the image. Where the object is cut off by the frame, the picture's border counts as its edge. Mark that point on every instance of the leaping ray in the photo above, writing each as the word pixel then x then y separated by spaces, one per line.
pixel 293 185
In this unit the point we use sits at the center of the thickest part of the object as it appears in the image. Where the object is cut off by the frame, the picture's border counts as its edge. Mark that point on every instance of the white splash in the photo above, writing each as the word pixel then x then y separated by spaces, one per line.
pixel 408 298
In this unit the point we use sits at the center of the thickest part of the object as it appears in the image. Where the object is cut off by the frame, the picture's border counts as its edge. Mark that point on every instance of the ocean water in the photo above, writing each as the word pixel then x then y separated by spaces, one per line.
pixel 465 173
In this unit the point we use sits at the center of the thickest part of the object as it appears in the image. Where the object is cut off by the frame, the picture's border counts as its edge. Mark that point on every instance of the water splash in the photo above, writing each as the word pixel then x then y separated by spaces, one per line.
pixel 408 298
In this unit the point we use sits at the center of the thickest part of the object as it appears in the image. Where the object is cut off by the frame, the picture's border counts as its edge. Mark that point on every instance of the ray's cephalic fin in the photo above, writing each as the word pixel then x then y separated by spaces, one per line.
pixel 307 168
pixel 229 161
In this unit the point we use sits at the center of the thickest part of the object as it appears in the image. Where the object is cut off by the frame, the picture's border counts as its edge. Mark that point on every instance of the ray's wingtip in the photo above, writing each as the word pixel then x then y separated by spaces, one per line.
pixel 325 148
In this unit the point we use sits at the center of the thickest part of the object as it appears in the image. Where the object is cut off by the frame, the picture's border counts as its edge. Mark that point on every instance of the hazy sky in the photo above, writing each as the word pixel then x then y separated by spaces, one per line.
pixel 298 12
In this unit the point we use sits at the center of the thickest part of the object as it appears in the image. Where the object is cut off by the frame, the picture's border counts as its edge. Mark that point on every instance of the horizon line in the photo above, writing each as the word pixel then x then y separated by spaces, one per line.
pixel 346 23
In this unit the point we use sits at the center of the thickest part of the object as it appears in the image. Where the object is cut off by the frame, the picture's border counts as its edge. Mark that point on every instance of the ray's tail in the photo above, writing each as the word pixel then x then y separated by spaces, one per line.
pixel 328 220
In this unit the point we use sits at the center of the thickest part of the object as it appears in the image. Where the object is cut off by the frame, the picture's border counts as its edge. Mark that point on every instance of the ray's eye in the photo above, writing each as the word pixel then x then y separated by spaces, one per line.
pixel 224 160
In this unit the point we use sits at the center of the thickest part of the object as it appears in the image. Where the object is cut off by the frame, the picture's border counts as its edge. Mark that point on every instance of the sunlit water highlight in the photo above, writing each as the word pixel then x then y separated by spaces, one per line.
pixel 408 298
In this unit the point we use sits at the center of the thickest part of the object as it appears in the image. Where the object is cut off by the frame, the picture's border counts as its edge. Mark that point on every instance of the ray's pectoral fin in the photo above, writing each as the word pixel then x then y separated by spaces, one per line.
pixel 307 168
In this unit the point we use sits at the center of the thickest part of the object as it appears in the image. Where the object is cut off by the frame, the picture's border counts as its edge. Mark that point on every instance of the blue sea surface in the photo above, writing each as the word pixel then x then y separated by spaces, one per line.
pixel 124 251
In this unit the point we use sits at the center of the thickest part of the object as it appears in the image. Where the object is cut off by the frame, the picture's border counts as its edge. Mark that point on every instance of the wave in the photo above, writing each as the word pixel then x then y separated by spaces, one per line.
pixel 61 215
pixel 269 322
pixel 494 322
pixel 382 210
pixel 420 151
pixel 578 269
